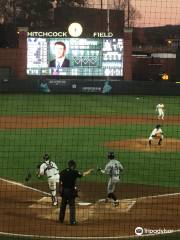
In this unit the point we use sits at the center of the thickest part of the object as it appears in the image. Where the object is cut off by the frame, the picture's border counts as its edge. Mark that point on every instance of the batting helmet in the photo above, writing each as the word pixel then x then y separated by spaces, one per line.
pixel 46 157
pixel 111 155
pixel 71 164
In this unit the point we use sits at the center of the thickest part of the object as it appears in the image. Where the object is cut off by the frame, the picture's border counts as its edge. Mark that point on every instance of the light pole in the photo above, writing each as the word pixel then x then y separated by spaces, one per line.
pixel 14 12
pixel 128 13
pixel 107 16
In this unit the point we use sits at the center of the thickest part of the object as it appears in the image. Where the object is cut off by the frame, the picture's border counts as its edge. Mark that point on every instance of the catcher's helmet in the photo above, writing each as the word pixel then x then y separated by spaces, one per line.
pixel 71 164
pixel 46 157
pixel 111 155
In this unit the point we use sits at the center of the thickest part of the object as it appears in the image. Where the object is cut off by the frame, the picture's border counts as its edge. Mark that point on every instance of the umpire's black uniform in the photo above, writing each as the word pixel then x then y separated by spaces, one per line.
pixel 68 191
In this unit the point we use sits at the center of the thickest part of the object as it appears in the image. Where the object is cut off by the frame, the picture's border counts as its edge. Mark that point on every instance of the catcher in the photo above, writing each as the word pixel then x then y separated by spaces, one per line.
pixel 50 169
pixel 157 133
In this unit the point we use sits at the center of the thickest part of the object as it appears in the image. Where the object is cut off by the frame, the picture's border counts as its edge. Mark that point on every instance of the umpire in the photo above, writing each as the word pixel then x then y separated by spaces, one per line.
pixel 68 190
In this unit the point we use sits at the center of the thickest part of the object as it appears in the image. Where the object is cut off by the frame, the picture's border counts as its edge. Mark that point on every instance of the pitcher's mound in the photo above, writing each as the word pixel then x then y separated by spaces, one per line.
pixel 141 145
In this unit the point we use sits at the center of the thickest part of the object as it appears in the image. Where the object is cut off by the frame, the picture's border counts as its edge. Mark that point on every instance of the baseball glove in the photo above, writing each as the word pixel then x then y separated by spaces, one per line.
pixel 38 165
pixel 28 177
pixel 99 169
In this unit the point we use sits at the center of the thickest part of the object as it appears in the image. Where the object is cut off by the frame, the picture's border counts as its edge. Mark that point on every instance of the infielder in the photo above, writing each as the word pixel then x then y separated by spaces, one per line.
pixel 157 133
pixel 160 110
pixel 50 169
pixel 113 168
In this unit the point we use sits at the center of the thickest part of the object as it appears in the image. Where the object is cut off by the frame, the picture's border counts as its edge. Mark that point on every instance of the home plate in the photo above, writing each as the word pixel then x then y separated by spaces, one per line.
pixel 127 204
pixel 124 205
pixel 84 203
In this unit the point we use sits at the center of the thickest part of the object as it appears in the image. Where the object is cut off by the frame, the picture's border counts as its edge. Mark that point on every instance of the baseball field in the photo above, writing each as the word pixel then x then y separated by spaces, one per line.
pixel 85 128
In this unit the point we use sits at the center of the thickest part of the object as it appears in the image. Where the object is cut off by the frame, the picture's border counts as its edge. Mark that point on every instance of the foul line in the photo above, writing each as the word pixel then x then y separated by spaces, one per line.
pixel 56 237
pixel 59 237
pixel 156 196
pixel 24 186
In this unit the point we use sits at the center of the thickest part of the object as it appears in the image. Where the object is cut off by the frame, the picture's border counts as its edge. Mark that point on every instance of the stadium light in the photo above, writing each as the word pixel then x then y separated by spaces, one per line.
pixel 169 41
pixel 165 77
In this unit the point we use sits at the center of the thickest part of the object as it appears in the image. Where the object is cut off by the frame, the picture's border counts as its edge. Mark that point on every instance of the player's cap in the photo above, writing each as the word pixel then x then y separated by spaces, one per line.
pixel 46 157
pixel 111 155
pixel 158 126
pixel 71 164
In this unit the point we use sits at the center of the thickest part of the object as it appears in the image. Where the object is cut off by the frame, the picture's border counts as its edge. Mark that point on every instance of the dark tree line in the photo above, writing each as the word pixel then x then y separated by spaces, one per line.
pixel 39 14
pixel 33 13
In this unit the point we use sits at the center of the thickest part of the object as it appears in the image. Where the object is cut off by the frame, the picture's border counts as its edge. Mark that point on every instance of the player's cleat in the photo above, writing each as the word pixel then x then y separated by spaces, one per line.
pixel 149 142
pixel 115 203
pixel 107 200
pixel 73 223
pixel 55 203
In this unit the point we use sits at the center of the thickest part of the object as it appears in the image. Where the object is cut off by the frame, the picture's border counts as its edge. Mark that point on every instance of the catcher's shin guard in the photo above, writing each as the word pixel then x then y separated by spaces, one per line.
pixel 54 200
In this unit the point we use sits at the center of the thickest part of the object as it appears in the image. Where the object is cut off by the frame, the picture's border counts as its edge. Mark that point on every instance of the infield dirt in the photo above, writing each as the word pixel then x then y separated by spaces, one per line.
pixel 24 211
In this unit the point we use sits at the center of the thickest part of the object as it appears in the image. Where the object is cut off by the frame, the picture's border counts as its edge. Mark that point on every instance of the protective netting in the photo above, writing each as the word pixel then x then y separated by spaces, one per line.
pixel 85 128
pixel 147 12
pixel 122 137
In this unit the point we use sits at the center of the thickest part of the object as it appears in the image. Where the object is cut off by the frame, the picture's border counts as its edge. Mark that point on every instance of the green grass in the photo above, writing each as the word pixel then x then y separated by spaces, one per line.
pixel 20 104
pixel 22 149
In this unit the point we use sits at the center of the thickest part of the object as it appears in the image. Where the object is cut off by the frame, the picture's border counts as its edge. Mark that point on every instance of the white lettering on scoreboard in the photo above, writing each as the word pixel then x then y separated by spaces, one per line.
pixel 103 34
pixel 65 34
pixel 47 34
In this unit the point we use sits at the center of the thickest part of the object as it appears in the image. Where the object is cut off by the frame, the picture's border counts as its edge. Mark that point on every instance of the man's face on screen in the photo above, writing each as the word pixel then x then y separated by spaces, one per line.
pixel 60 51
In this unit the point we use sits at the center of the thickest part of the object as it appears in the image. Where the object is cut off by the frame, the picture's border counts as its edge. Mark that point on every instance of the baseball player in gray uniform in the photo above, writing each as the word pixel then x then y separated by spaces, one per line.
pixel 113 168
pixel 50 169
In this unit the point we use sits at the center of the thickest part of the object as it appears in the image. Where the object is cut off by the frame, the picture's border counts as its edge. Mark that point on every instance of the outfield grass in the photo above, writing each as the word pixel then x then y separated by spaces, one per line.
pixel 40 104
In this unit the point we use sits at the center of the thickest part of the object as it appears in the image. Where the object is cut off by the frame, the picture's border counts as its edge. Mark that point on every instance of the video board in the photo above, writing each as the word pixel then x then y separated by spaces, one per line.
pixel 80 57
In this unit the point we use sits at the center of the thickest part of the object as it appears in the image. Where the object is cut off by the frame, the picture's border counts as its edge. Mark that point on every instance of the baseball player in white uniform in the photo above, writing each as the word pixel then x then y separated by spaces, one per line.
pixel 50 169
pixel 160 110
pixel 157 133
pixel 113 168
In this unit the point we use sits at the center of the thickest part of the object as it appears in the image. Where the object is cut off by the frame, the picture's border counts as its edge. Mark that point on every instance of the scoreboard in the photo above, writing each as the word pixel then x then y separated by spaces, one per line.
pixel 87 56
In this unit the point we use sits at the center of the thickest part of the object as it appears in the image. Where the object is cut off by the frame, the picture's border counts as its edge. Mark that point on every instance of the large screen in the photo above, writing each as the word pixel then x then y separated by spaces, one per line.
pixel 75 56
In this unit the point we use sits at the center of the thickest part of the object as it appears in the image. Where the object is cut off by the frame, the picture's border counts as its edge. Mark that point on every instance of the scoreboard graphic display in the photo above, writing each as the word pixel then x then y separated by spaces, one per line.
pixel 86 56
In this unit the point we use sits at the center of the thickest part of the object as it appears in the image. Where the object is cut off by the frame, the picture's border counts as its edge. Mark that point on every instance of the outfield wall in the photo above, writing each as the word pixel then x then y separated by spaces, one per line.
pixel 51 86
